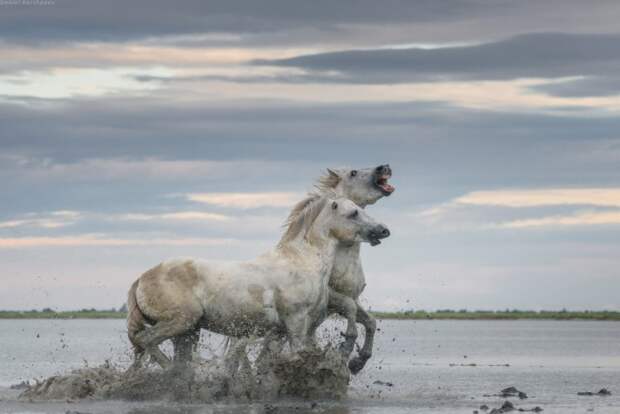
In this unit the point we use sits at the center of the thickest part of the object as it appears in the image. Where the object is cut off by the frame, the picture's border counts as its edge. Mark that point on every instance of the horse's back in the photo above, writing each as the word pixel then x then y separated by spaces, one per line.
pixel 168 289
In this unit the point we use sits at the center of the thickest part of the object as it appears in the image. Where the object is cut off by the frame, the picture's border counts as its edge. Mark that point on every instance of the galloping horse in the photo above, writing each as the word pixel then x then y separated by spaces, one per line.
pixel 284 291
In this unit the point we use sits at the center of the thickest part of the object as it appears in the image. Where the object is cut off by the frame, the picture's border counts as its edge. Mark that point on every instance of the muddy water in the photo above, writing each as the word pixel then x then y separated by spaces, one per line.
pixel 419 366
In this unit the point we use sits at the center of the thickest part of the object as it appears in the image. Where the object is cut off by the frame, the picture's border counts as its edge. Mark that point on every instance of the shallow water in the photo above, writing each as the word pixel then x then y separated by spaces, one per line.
pixel 429 364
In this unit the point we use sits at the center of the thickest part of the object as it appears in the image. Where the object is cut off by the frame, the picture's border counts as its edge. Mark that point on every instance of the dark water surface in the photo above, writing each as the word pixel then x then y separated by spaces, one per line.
pixel 433 366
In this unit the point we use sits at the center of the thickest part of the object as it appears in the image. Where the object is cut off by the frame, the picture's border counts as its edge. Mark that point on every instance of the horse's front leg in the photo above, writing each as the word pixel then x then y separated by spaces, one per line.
pixel 370 325
pixel 297 329
pixel 346 307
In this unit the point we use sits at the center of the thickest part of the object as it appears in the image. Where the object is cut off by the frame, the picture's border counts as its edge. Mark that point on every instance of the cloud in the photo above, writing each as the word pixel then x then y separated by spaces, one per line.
pixel 162 135
pixel 124 63
pixel 525 209
pixel 176 216
pixel 224 20
pixel 537 55
pixel 125 154
pixel 45 223
pixel 247 200
pixel 113 169
pixel 588 218
pixel 604 197
pixel 63 83
pixel 212 22
pixel 175 220
pixel 220 22
pixel 53 220
pixel 581 87
pixel 94 240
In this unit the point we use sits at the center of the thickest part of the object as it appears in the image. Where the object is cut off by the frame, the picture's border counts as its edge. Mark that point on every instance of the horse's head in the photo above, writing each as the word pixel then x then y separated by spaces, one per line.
pixel 349 223
pixel 362 186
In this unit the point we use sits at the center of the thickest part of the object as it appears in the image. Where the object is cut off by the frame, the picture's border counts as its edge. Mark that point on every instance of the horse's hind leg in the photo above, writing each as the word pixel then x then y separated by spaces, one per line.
pixel 370 325
pixel 138 358
pixel 151 337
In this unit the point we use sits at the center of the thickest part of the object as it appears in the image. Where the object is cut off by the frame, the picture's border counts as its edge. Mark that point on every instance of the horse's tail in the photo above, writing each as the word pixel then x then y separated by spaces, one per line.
pixel 135 318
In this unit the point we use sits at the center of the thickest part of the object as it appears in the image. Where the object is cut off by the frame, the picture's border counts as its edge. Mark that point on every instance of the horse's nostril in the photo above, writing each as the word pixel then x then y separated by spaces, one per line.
pixel 380 232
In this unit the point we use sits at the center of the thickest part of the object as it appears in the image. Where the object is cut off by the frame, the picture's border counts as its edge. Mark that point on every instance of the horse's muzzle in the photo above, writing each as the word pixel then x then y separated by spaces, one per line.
pixel 377 233
pixel 383 170
pixel 381 176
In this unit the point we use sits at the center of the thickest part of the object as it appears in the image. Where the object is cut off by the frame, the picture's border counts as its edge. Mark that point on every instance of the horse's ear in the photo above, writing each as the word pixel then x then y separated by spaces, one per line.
pixel 333 173
pixel 328 181
pixel 334 205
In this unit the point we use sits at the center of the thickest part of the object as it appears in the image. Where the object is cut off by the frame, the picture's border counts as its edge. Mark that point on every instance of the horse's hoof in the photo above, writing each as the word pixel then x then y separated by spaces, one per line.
pixel 356 364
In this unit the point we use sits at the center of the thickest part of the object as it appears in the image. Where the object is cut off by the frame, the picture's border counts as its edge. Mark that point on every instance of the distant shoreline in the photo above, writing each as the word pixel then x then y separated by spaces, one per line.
pixel 404 315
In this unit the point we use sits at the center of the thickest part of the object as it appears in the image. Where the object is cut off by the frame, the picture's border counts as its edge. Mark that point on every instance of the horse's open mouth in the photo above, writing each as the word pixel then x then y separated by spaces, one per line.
pixel 381 181
pixel 374 242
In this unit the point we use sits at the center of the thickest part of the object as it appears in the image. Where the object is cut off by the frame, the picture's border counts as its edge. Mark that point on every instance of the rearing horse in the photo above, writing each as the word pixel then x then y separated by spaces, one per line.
pixel 347 281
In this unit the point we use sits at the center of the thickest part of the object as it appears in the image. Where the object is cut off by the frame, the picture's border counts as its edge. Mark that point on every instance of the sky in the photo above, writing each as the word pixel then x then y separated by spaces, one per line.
pixel 134 134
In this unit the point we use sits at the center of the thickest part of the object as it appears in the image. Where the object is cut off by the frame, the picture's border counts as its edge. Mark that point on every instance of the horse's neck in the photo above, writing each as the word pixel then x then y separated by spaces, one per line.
pixel 347 276
pixel 315 249
pixel 347 261
pixel 349 252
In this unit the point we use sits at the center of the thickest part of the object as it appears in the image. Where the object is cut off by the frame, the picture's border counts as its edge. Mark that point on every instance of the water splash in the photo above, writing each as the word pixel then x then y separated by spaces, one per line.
pixel 313 373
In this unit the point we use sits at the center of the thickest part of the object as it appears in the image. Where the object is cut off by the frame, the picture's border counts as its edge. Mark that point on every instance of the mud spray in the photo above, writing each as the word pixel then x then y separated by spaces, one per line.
pixel 316 373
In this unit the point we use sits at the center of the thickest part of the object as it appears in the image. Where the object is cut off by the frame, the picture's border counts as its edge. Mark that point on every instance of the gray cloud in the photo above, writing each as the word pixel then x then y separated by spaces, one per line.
pixel 74 129
pixel 292 22
pixel 73 154
pixel 540 55
pixel 115 20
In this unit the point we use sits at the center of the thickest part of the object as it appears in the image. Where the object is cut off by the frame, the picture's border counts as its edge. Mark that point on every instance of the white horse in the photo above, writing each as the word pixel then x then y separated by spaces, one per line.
pixel 347 281
pixel 284 291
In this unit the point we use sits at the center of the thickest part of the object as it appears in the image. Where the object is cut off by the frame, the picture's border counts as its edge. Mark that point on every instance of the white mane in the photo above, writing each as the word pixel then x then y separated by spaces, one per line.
pixel 302 216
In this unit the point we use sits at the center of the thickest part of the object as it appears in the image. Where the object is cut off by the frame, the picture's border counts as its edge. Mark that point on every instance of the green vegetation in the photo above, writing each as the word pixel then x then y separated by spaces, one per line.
pixel 410 314
pixel 51 314
pixel 505 314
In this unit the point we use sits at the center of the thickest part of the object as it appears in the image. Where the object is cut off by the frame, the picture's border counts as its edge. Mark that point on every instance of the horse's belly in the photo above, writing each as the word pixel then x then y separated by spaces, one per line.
pixel 242 322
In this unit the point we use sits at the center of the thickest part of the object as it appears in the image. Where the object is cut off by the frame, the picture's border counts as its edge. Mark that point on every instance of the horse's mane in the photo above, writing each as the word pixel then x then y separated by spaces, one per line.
pixel 303 215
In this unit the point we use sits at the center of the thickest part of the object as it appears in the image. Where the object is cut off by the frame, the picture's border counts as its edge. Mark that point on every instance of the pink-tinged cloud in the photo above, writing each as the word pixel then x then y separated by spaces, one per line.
pixel 605 197
pixel 247 200
pixel 177 216
pixel 86 240
pixel 578 219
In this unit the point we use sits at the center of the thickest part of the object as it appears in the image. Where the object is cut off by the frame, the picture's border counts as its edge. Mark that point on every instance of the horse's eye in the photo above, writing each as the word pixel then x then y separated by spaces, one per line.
pixel 354 214
pixel 353 173
pixel 334 205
